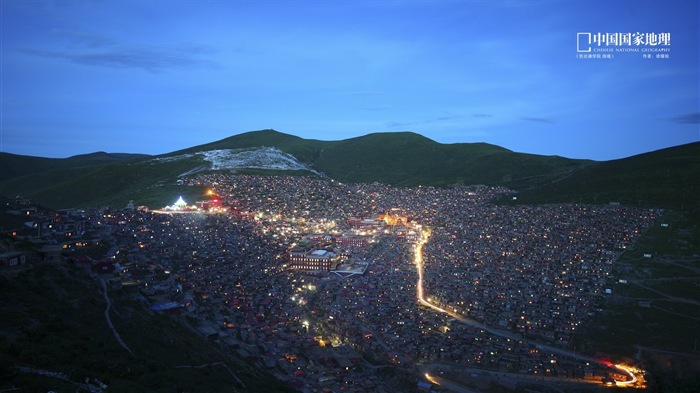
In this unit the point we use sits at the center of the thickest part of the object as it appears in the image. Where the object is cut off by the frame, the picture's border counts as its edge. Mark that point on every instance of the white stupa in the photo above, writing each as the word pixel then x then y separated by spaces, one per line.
pixel 180 204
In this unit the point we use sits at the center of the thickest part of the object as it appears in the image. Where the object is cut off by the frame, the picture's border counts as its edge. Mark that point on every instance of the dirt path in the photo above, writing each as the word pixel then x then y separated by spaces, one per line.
pixel 109 320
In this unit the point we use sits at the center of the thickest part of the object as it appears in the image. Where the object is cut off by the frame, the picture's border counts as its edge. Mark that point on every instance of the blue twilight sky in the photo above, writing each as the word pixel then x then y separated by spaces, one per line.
pixel 161 75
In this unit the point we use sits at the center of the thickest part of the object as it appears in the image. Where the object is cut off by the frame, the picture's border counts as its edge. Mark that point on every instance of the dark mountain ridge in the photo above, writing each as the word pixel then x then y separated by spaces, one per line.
pixel 665 178
pixel 15 165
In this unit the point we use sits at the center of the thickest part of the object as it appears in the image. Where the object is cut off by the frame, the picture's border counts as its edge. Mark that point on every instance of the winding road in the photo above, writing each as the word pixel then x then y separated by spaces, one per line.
pixel 420 294
pixel 109 320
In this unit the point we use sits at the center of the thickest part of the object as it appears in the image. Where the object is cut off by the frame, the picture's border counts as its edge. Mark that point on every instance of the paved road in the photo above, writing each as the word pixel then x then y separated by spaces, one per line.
pixel 418 257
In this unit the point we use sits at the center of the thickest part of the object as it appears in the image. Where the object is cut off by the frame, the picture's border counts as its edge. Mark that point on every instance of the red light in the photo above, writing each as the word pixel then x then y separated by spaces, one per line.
pixel 606 363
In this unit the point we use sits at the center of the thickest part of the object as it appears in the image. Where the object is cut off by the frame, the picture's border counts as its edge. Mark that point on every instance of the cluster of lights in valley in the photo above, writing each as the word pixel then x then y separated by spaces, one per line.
pixel 424 235
pixel 420 295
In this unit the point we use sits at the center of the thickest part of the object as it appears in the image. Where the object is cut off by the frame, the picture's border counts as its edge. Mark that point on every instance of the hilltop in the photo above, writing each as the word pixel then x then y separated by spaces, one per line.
pixel 14 165
pixel 661 179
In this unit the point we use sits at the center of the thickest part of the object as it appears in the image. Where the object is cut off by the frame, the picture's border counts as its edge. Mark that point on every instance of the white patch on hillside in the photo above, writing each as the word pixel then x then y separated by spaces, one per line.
pixel 259 158
pixel 262 158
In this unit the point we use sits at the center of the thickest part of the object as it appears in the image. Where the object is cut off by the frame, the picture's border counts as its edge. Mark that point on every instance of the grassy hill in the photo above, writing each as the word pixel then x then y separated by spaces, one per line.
pixel 666 178
pixel 102 184
pixel 14 165
pixel 305 150
pixel 407 159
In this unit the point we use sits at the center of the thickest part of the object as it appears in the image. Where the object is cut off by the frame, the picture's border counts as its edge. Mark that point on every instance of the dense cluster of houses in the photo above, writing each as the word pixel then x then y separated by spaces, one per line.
pixel 257 278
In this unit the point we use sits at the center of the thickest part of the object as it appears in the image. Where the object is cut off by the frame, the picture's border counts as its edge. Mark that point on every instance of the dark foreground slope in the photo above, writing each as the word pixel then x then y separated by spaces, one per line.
pixel 54 337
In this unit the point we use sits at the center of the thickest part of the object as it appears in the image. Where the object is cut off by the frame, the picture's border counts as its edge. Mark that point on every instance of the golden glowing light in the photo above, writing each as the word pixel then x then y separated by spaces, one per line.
pixel 393 220
pixel 629 370
pixel 431 379
pixel 418 256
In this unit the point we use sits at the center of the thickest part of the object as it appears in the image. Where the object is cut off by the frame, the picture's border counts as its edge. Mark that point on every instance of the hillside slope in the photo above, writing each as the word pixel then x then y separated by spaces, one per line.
pixel 666 178
pixel 54 337
pixel 14 165
pixel 407 159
